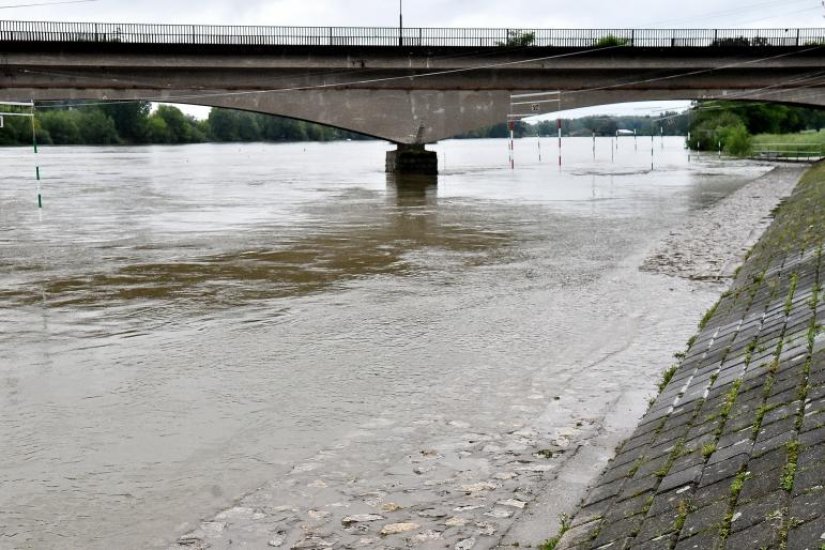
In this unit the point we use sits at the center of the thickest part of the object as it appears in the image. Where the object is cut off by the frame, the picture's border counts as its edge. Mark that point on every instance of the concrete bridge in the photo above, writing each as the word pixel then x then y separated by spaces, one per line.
pixel 410 86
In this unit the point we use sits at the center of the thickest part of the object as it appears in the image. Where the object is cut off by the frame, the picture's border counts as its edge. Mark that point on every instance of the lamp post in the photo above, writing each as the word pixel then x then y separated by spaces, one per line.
pixel 400 22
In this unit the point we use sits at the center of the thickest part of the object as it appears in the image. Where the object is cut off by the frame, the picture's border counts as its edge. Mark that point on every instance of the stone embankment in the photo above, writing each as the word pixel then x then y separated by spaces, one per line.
pixel 732 452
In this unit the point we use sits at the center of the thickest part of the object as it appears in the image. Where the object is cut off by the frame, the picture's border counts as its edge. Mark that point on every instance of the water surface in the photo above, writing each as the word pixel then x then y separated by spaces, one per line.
pixel 181 325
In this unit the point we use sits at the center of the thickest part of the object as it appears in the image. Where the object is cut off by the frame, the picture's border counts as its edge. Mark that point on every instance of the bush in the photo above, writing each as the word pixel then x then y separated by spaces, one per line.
pixel 721 128
pixel 611 41
pixel 518 38
pixel 736 141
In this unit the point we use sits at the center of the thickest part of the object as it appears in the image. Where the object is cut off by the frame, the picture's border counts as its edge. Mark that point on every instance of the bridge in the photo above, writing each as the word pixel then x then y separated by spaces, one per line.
pixel 410 86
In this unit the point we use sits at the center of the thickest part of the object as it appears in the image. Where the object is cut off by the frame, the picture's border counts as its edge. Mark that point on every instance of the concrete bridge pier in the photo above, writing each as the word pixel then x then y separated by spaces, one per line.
pixel 412 159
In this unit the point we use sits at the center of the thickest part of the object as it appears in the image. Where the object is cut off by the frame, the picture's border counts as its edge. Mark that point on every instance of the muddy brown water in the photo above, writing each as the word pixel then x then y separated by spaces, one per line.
pixel 181 325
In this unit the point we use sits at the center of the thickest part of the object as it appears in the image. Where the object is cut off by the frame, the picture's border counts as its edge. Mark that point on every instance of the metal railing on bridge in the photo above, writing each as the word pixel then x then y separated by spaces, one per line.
pixel 42 31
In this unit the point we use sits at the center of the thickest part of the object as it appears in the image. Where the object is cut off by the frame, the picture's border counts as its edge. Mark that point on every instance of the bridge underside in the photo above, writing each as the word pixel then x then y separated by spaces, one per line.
pixel 404 116
pixel 407 96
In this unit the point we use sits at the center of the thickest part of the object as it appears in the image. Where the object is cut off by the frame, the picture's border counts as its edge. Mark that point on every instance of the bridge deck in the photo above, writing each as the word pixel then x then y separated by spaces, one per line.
pixel 43 31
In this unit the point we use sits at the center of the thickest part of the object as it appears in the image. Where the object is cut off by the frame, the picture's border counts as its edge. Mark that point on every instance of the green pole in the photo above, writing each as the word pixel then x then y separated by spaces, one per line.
pixel 36 165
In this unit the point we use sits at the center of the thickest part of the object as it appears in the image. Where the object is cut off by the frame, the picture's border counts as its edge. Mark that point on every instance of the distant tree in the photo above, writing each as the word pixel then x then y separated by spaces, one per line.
pixel 611 41
pixel 518 39
pixel 736 42
pixel 63 127
pixel 130 119
pixel 96 128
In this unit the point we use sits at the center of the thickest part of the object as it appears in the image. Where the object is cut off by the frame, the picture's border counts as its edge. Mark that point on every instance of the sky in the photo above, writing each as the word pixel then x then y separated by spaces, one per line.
pixel 439 13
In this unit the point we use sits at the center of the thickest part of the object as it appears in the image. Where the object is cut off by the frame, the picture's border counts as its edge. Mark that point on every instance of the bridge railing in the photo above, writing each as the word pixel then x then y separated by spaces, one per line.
pixel 43 31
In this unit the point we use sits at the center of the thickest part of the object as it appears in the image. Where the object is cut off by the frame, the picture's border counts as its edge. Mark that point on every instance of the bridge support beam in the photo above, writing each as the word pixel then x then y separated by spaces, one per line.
pixel 412 159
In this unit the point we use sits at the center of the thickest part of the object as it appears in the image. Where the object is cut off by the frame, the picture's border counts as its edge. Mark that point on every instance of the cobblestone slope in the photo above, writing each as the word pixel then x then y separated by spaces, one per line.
pixel 732 452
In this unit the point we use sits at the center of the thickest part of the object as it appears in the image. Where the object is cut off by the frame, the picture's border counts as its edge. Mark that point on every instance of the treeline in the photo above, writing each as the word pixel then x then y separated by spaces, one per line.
pixel 730 125
pixel 671 124
pixel 135 123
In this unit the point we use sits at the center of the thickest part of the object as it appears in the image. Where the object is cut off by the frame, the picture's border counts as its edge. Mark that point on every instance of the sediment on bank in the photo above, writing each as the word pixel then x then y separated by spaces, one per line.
pixel 732 452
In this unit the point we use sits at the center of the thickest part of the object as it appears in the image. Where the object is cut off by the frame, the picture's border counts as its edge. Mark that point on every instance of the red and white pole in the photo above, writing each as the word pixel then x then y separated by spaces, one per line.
pixel 558 125
pixel 512 126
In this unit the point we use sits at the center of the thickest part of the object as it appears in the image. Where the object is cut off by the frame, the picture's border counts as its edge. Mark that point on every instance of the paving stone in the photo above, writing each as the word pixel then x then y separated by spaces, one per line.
pixel 691 476
pixel 808 480
pixel 814 437
pixel 628 508
pixel 779 398
pixel 658 526
pixel 618 544
pixel 616 473
pixel 620 530
pixel 637 486
pixel 709 494
pixel 605 491
pixel 808 506
pixel 741 447
pixel 667 502
pixel 756 486
pixel 705 519
pixel 728 469
pixel 691 460
pixel 628 457
pixel 761 535
pixel 758 511
pixel 707 541
pixel 663 543
pixel 813 421
pixel 591 513
pixel 651 466
pixel 783 412
pixel 579 535
pixel 808 536
pixel 812 455
pixel 777 442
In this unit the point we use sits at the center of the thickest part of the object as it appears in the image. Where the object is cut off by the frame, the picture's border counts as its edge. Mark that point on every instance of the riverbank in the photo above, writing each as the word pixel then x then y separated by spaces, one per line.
pixel 732 452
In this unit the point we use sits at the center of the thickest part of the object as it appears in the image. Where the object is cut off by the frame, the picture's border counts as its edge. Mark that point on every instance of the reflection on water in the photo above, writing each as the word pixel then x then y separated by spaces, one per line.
pixel 302 265
pixel 184 324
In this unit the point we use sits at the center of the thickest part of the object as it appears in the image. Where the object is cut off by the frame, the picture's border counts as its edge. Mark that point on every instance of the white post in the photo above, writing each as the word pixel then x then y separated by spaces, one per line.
pixel 652 148
pixel 594 144
pixel 688 147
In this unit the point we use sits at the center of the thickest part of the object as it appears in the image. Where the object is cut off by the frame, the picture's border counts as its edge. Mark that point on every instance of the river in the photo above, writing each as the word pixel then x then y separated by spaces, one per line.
pixel 184 325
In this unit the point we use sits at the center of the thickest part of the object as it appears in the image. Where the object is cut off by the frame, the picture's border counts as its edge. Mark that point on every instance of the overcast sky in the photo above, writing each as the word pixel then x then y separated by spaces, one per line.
pixel 439 13
pixel 433 13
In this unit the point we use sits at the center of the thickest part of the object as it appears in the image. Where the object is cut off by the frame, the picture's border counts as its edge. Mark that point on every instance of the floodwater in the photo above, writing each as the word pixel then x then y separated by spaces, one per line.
pixel 182 325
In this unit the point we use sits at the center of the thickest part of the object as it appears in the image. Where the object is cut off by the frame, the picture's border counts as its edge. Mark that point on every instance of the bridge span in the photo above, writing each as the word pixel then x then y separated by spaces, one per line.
pixel 411 86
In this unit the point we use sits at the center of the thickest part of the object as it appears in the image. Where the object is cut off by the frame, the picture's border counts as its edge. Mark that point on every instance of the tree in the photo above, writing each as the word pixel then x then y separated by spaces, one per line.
pixel 130 119
pixel 96 128
pixel 63 127
pixel 518 39
pixel 611 40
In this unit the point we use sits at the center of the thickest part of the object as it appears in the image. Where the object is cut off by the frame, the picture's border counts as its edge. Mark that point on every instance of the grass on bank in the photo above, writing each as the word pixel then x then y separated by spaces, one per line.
pixel 804 139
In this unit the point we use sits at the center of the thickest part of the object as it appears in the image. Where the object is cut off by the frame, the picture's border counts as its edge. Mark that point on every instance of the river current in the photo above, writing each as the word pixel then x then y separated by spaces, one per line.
pixel 180 326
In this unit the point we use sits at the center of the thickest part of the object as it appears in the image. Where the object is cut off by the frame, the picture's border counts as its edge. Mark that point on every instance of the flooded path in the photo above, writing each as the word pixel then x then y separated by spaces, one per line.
pixel 185 325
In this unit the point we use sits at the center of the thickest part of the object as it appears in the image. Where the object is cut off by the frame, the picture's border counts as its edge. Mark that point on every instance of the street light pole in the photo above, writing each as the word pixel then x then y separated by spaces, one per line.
pixel 400 22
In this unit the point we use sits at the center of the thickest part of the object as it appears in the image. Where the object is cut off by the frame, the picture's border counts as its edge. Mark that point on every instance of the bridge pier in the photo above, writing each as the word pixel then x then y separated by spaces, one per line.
pixel 412 159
